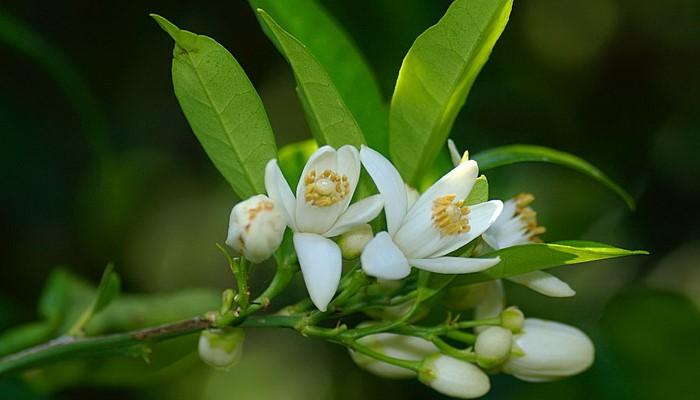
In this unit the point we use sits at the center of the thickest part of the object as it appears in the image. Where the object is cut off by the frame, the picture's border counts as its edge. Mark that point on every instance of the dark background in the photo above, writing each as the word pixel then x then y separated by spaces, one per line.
pixel 98 164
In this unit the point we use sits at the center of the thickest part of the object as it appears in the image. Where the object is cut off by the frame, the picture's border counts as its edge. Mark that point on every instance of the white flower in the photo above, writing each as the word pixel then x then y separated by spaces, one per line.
pixel 517 225
pixel 393 345
pixel 454 377
pixel 422 234
pixel 320 210
pixel 221 348
pixel 552 350
pixel 493 345
pixel 255 228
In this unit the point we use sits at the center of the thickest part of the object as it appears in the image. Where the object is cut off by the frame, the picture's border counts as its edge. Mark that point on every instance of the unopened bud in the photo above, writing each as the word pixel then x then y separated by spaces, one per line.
pixel 221 348
pixel 512 318
pixel 256 227
pixel 454 377
pixel 393 345
pixel 492 346
pixel 354 241
pixel 550 350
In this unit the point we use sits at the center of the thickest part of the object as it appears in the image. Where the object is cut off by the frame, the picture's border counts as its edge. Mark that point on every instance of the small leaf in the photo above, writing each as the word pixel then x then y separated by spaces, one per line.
pixel 506 155
pixel 532 257
pixel 223 109
pixel 334 49
pixel 480 191
pixel 292 159
pixel 435 79
pixel 107 291
pixel 330 119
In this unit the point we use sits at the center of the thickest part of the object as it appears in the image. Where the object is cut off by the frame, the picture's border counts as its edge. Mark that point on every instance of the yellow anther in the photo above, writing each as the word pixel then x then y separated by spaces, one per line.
pixel 450 216
pixel 326 188
pixel 528 216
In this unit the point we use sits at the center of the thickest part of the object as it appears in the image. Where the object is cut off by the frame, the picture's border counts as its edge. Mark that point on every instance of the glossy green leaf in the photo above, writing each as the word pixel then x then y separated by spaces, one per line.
pixel 324 37
pixel 506 155
pixel 223 109
pixel 435 79
pixel 292 159
pixel 330 119
pixel 518 260
pixel 107 291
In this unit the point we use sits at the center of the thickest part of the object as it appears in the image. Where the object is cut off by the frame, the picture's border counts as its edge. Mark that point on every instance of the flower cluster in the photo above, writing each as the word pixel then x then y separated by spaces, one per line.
pixel 423 230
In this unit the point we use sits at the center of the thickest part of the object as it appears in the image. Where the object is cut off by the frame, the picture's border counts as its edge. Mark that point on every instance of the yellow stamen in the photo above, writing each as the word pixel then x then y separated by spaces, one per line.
pixel 450 217
pixel 528 216
pixel 326 188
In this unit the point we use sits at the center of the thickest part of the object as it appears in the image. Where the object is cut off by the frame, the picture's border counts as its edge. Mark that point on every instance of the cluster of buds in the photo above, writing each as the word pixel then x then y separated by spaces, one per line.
pixel 530 349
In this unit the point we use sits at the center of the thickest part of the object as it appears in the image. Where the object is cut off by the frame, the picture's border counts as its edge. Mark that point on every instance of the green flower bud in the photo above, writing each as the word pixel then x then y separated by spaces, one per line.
pixel 354 241
pixel 492 346
pixel 221 348
pixel 512 318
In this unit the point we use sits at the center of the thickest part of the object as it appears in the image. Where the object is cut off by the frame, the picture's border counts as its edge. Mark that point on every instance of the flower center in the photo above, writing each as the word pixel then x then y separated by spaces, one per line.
pixel 528 216
pixel 326 188
pixel 450 217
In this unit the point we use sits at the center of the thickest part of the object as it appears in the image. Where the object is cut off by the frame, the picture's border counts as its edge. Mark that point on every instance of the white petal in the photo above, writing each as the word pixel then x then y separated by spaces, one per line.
pixel 321 265
pixel 481 216
pixel 349 165
pixel 278 190
pixel 358 213
pixel 310 218
pixel 390 185
pixel 382 259
pixel 454 153
pixel 508 229
pixel 454 265
pixel 544 283
pixel 459 182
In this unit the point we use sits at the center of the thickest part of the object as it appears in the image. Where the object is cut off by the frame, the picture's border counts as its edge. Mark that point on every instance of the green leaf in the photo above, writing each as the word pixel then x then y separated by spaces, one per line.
pixel 430 284
pixel 479 193
pixel 435 79
pixel 223 109
pixel 518 260
pixel 107 291
pixel 506 155
pixel 292 159
pixel 330 119
pixel 352 76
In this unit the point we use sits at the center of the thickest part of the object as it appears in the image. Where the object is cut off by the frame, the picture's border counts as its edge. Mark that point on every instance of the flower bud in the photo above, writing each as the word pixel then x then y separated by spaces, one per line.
pixel 512 318
pixel 454 377
pixel 393 345
pixel 492 346
pixel 255 228
pixel 551 350
pixel 221 348
pixel 354 241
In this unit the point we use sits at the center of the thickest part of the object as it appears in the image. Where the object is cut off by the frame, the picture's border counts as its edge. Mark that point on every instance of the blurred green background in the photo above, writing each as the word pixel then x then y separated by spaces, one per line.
pixel 98 164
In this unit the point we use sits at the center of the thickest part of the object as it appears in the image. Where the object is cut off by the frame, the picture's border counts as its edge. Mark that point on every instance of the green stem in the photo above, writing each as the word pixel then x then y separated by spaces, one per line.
pixel 69 347
pixel 412 365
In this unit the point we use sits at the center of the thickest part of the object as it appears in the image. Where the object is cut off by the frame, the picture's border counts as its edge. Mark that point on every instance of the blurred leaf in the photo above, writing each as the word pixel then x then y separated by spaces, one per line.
pixel 107 291
pixel 292 159
pixel 27 335
pixel 518 260
pixel 653 335
pixel 479 193
pixel 135 311
pixel 165 359
pixel 506 155
pixel 330 120
pixel 435 79
pixel 223 109
pixel 308 21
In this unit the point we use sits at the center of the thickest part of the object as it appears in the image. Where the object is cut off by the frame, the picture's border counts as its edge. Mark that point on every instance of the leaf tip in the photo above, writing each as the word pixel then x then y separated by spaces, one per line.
pixel 166 25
